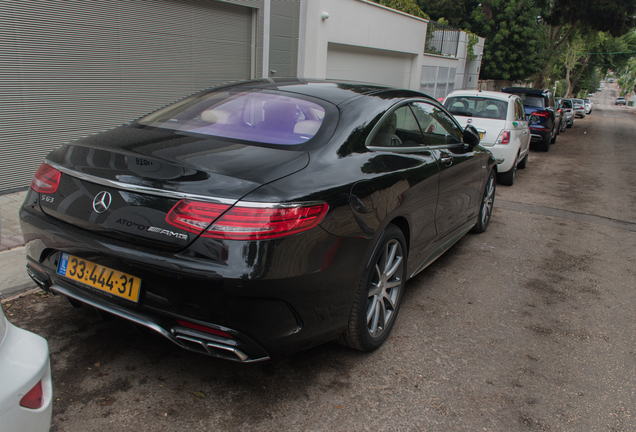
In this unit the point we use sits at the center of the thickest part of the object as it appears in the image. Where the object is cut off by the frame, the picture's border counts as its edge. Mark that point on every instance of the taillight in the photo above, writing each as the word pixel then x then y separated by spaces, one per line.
pixel 243 222
pixel 503 138
pixel 537 116
pixel 194 216
pixel 259 223
pixel 204 328
pixel 34 399
pixel 46 179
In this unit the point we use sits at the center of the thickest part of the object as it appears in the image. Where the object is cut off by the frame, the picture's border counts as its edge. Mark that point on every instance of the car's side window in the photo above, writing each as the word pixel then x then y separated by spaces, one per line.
pixel 521 115
pixel 437 126
pixel 398 129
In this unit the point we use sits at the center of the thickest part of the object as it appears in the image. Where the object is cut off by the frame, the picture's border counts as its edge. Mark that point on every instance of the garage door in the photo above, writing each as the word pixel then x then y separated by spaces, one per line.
pixel 369 65
pixel 71 68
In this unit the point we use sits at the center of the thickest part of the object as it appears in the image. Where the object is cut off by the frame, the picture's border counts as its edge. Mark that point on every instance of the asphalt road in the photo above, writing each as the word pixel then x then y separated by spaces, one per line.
pixel 529 326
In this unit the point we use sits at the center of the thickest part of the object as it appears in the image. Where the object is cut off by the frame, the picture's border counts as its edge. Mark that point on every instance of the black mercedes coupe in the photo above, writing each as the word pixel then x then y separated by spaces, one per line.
pixel 260 218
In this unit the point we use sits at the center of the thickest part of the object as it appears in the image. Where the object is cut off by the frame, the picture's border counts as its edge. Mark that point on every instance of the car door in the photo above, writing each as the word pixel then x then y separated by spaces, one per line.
pixel 521 127
pixel 410 171
pixel 459 178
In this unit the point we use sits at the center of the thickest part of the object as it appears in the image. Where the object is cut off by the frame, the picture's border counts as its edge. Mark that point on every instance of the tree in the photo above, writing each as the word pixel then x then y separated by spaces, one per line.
pixel 574 53
pixel 564 18
pixel 526 38
pixel 514 36
pixel 406 6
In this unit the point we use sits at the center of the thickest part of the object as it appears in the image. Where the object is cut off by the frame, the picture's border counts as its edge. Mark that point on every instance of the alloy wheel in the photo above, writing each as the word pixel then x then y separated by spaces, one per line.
pixel 487 203
pixel 384 289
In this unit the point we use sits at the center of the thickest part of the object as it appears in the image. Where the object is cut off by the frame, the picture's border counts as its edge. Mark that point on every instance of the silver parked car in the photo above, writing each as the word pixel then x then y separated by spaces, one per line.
pixel 579 107
pixel 568 107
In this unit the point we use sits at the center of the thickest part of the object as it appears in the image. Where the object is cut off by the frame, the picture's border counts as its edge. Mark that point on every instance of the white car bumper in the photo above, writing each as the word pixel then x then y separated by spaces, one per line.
pixel 504 152
pixel 24 361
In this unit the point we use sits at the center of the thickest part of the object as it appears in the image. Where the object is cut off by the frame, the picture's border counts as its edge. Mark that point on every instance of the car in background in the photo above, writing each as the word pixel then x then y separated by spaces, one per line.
pixel 501 122
pixel 259 218
pixel 588 106
pixel 568 109
pixel 25 380
pixel 620 101
pixel 544 117
pixel 579 107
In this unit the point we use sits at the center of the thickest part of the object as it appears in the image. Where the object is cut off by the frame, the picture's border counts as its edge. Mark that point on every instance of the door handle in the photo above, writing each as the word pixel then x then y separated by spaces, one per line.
pixel 448 161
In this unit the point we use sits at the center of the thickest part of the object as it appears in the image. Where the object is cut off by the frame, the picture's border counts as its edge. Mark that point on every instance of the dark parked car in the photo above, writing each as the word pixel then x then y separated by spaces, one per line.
pixel 260 218
pixel 543 115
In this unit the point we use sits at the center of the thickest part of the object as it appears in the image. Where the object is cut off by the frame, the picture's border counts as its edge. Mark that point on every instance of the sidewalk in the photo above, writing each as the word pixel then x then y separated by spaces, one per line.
pixel 13 275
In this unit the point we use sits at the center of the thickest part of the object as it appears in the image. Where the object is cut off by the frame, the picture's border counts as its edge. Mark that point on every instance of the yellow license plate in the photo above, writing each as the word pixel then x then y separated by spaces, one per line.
pixel 97 276
pixel 481 135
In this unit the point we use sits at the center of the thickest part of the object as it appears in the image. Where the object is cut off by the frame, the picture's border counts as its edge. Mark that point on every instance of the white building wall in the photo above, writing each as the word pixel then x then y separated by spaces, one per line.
pixel 443 74
pixel 363 41
pixel 353 24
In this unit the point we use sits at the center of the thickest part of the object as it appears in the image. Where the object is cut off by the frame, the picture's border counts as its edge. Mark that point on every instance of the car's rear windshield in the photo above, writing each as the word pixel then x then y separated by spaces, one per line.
pixel 251 115
pixel 532 100
pixel 473 106
pixel 566 103
pixel 579 102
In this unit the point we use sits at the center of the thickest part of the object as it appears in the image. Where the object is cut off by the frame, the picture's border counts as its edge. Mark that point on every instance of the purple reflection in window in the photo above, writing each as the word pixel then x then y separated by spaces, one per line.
pixel 250 116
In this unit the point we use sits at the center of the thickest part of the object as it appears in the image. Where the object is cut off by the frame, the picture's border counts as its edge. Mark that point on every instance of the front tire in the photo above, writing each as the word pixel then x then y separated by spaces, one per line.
pixel 486 205
pixel 379 295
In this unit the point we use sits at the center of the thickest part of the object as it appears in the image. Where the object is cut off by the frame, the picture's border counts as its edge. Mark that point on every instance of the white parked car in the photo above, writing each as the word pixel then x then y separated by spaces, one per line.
pixel 25 380
pixel 501 122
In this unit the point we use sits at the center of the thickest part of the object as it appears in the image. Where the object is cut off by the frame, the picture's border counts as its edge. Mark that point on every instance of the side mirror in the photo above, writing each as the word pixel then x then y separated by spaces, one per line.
pixel 471 136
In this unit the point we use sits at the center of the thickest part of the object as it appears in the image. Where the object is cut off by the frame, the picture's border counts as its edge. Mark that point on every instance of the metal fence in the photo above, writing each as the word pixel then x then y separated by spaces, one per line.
pixel 441 39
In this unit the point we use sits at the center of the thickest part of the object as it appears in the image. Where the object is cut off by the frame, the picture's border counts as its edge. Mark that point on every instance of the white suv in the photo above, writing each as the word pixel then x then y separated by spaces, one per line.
pixel 501 122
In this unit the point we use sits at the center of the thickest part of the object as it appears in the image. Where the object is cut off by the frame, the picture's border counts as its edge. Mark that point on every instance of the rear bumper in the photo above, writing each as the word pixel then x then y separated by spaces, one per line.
pixel 539 134
pixel 506 154
pixel 272 297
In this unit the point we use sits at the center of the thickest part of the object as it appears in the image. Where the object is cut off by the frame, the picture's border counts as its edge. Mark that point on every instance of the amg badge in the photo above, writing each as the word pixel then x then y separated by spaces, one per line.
pixel 167 232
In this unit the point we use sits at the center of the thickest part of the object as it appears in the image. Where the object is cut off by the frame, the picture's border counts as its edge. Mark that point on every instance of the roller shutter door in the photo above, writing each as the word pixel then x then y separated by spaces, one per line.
pixel 72 68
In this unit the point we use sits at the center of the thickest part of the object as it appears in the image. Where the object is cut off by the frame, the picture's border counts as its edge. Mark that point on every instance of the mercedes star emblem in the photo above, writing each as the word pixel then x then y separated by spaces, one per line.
pixel 102 202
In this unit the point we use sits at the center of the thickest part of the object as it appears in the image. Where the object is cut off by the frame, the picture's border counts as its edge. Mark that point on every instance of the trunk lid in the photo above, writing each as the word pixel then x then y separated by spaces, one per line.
pixel 122 183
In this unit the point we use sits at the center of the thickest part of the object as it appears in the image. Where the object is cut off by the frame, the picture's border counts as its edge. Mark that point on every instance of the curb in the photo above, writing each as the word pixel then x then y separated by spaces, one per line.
pixel 25 292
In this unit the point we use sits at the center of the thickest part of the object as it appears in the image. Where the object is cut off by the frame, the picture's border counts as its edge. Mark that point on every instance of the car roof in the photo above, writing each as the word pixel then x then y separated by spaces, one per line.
pixel 336 92
pixel 525 90
pixel 481 93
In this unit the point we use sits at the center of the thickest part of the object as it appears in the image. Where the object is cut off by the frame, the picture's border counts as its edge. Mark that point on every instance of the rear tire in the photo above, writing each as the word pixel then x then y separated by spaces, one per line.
pixel 379 295
pixel 544 145
pixel 554 138
pixel 508 178
pixel 524 162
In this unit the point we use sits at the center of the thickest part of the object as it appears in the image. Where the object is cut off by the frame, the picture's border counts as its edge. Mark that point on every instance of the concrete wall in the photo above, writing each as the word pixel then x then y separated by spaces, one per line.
pixel 355 24
pixel 361 40
pixel 443 74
